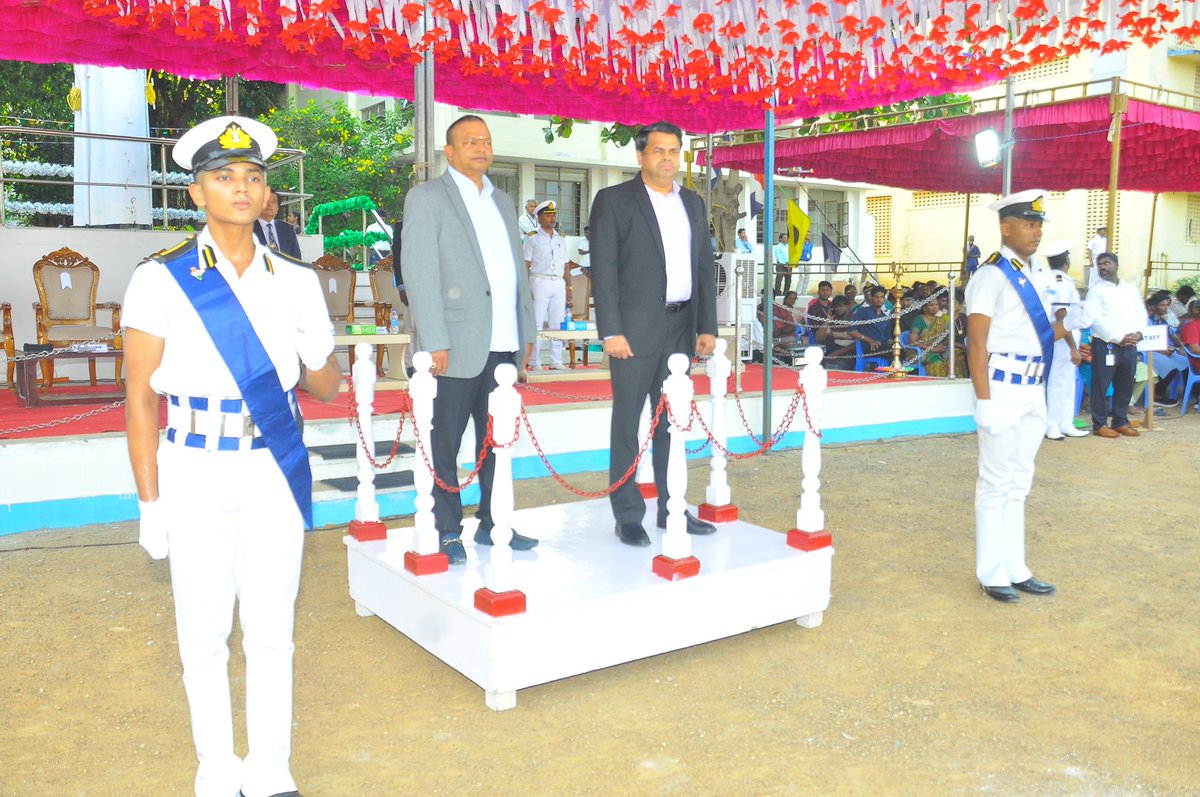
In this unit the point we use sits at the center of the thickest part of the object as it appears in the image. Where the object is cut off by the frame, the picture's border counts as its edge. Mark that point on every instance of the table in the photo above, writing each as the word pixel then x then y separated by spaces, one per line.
pixel 28 386
pixel 396 344
pixel 571 337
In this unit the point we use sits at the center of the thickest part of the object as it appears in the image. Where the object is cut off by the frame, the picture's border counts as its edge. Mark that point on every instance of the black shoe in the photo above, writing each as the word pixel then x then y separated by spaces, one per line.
pixel 1002 594
pixel 451 545
pixel 694 524
pixel 519 542
pixel 1035 587
pixel 281 794
pixel 633 534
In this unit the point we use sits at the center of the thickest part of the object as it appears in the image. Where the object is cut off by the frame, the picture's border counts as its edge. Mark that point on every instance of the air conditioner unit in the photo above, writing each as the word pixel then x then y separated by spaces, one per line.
pixel 736 278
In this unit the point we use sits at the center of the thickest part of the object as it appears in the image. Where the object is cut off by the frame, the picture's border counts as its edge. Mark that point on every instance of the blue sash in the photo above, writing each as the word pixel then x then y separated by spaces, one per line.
pixel 232 333
pixel 1033 305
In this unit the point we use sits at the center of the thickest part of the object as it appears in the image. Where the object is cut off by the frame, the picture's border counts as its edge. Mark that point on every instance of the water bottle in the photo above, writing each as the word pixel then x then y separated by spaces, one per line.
pixel 394 323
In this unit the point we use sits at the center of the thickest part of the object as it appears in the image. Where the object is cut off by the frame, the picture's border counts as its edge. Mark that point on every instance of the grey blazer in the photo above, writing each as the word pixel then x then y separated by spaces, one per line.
pixel 629 267
pixel 448 291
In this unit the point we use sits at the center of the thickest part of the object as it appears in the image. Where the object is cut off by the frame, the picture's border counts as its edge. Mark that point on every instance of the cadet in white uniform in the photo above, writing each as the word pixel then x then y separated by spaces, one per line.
pixel 545 254
pixel 1058 294
pixel 226 328
pixel 1009 337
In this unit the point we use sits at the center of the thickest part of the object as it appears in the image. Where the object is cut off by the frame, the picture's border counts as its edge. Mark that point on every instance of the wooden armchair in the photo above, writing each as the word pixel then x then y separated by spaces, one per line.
pixel 337 280
pixel 10 347
pixel 385 297
pixel 66 308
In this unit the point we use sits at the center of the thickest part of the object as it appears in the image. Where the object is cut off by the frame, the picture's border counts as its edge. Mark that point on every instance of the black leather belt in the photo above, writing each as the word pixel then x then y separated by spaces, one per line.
pixel 675 307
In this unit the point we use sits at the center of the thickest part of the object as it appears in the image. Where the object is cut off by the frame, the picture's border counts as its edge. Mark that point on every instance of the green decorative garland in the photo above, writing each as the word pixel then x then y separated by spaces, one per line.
pixel 362 203
pixel 353 238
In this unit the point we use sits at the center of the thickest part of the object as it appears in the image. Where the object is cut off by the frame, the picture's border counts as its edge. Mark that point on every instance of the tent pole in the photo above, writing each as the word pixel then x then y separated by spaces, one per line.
pixel 1149 400
pixel 950 284
pixel 1117 105
pixel 768 302
pixel 1007 148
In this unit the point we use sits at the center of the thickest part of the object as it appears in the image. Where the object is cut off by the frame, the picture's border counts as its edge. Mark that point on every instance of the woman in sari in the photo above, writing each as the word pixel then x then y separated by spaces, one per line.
pixel 927 328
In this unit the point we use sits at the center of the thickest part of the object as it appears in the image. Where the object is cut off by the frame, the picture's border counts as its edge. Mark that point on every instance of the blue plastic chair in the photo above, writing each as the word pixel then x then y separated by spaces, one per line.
pixel 1193 379
pixel 905 337
pixel 860 362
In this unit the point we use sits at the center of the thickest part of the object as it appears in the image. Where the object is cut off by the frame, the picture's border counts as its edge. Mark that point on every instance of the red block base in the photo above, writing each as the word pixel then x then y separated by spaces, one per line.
pixel 368 530
pixel 675 569
pixel 647 489
pixel 425 564
pixel 718 514
pixel 499 604
pixel 809 540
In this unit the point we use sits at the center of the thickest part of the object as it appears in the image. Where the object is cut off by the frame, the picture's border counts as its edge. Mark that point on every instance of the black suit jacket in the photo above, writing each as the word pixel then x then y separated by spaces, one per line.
pixel 285 236
pixel 629 267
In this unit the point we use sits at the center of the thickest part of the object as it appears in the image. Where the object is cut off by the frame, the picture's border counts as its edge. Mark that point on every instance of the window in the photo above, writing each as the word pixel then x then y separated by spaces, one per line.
pixel 1097 216
pixel 1056 68
pixel 569 190
pixel 830 215
pixel 504 177
pixel 880 208
pixel 375 111
pixel 1192 225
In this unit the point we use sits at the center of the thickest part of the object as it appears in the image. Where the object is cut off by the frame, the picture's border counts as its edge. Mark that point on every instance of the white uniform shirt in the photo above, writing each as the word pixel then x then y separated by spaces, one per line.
pixel 285 308
pixel 676 231
pixel 1058 292
pixel 990 293
pixel 1117 310
pixel 547 252
pixel 527 224
pixel 496 248
pixel 1096 247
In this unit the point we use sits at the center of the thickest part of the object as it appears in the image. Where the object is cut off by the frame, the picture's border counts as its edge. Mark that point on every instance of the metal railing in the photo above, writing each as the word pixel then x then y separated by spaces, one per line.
pixel 283 157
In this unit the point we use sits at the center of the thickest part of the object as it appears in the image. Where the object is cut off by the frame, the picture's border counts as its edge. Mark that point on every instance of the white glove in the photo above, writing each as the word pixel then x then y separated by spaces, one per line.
pixel 993 418
pixel 313 348
pixel 152 529
pixel 1078 316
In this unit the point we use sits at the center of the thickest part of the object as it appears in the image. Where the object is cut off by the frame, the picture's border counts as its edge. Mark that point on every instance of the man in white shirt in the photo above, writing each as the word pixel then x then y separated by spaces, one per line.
pixel 528 223
pixel 545 254
pixel 472 310
pixel 1009 339
pixel 1096 247
pixel 1118 316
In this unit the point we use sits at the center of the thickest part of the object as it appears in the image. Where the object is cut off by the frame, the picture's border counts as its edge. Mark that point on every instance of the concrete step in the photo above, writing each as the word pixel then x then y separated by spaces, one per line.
pixel 338 460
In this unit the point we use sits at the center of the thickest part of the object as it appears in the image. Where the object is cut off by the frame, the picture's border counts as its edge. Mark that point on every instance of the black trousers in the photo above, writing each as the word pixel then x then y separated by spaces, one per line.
pixel 783 276
pixel 633 380
pixel 456 401
pixel 1119 375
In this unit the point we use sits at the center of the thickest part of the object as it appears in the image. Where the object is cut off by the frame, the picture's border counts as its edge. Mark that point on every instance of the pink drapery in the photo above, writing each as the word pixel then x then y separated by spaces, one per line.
pixel 1058 147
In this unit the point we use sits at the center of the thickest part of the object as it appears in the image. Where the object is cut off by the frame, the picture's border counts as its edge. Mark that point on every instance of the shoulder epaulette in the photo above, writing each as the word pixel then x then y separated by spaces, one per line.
pixel 1058 276
pixel 182 248
pixel 295 261
pixel 993 259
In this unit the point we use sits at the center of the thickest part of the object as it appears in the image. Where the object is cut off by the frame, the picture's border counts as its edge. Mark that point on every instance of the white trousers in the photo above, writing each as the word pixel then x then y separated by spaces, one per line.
pixel 1060 391
pixel 1006 463
pixel 549 306
pixel 235 534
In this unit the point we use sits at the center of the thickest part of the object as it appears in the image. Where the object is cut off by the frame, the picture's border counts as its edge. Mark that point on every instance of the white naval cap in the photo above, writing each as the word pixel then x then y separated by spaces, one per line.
pixel 546 207
pixel 1023 204
pixel 1055 248
pixel 223 140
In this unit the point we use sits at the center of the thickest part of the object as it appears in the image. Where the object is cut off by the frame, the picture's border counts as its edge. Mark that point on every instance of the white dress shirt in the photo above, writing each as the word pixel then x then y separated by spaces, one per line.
pixel 990 293
pixel 1117 310
pixel 676 230
pixel 496 247
pixel 269 234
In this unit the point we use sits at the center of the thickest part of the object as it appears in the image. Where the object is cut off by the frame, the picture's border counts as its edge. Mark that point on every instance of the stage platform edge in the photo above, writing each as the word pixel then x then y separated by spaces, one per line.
pixel 592 602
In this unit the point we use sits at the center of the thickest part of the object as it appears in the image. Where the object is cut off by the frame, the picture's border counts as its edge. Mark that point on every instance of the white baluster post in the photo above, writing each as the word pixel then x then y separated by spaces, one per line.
pixel 810 533
pixel 644 475
pixel 366 525
pixel 718 504
pixel 425 556
pixel 500 597
pixel 676 560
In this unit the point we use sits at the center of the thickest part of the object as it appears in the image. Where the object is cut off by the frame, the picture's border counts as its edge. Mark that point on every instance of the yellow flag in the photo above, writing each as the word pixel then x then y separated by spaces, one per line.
pixel 797 224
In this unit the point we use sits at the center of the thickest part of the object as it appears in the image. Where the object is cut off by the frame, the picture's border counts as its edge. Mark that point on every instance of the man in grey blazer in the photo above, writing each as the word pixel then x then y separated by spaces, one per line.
pixel 653 284
pixel 472 310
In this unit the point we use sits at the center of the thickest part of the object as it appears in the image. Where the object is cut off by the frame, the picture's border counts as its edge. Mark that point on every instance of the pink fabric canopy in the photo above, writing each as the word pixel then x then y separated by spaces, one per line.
pixel 708 66
pixel 1058 147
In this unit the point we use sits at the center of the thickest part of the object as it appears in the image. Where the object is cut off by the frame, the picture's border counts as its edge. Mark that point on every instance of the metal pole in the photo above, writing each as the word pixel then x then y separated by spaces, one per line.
pixel 768 284
pixel 1007 147
pixel 231 95
pixel 950 278
pixel 1149 401
pixel 162 166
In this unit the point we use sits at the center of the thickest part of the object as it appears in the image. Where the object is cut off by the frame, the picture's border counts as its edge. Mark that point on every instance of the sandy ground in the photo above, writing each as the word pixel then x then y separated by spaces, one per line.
pixel 915 684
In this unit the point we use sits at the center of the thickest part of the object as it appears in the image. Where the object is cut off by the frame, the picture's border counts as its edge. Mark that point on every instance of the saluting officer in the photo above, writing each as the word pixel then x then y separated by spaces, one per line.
pixel 1010 344
pixel 226 329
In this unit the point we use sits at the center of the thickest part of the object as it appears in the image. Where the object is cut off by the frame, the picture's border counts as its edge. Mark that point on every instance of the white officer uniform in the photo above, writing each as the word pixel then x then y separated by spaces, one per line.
pixel 235 531
pixel 1058 292
pixel 547 252
pixel 1006 456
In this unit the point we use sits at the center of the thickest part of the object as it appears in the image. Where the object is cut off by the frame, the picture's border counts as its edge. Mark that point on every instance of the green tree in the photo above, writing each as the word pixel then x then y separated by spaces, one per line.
pixel 345 155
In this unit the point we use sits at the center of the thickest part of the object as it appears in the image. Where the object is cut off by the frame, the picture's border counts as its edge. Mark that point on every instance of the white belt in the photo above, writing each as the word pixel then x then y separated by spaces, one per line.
pixel 1028 365
pixel 211 421
pixel 546 276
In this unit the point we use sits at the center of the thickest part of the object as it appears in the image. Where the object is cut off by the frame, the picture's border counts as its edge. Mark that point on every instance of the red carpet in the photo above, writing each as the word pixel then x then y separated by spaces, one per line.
pixel 14 417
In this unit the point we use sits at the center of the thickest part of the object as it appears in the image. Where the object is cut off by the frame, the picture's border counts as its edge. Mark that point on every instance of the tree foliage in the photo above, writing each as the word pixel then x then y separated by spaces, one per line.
pixel 345 155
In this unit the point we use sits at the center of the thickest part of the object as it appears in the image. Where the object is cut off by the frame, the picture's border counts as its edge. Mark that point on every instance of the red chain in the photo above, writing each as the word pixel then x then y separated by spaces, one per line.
pixel 658 410
pixel 405 407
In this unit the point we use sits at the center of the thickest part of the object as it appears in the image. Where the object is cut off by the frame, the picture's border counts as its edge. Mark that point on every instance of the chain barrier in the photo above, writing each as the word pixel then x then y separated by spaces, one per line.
pixel 60 421
pixel 405 409
pixel 77 346
pixel 541 391
pixel 915 307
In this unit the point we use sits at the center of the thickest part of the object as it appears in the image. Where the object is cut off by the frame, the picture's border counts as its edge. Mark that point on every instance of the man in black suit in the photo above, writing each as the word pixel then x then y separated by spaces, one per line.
pixel 277 235
pixel 654 288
